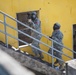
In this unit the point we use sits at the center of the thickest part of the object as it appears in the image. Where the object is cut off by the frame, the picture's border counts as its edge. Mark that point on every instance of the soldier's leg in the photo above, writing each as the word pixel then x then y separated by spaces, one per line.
pixel 39 52
pixel 50 51
pixel 60 56
pixel 41 55
pixel 35 50
pixel 59 61
pixel 55 54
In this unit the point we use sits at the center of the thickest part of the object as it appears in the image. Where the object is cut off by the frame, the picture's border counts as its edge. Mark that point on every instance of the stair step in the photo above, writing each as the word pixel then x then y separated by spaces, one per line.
pixel 30 62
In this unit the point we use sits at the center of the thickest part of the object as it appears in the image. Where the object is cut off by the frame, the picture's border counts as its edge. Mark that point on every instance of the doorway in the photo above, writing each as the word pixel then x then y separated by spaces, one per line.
pixel 74 39
pixel 23 17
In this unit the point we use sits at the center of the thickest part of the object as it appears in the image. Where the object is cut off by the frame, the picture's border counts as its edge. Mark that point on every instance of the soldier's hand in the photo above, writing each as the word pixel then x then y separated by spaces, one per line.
pixel 29 20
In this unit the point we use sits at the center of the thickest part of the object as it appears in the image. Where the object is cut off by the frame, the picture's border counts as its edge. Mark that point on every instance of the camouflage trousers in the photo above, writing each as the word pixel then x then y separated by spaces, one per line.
pixel 36 44
pixel 57 54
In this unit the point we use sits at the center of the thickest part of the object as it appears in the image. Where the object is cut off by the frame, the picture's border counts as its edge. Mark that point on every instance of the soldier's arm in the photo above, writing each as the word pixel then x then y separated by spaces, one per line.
pixel 31 23
pixel 58 37
pixel 37 23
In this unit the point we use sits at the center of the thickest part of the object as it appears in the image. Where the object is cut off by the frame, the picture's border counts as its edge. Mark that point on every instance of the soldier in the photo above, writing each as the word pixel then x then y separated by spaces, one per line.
pixel 57 36
pixel 35 24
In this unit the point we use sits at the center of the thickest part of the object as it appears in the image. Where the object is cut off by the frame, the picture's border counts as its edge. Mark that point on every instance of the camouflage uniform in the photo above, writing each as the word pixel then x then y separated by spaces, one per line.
pixel 36 25
pixel 57 36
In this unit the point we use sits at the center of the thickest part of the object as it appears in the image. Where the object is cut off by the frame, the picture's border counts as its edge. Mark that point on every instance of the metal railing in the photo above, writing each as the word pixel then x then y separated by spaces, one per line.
pixel 6 37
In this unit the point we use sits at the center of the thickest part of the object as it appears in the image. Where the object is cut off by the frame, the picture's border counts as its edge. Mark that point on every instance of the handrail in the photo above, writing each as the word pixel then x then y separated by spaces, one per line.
pixel 36 39
pixel 30 45
pixel 4 23
pixel 37 32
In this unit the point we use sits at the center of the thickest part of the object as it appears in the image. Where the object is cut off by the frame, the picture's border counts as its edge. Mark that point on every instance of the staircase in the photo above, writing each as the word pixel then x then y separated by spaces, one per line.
pixel 29 60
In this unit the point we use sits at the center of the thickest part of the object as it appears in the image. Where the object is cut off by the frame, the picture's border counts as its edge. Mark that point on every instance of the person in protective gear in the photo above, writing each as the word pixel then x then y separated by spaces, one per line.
pixel 56 26
pixel 57 35
pixel 35 24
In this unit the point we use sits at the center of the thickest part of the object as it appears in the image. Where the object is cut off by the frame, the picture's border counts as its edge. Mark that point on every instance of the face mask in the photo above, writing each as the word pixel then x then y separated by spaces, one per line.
pixel 33 17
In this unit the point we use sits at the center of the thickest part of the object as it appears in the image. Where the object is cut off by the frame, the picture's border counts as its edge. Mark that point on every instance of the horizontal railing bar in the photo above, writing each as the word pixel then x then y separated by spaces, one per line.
pixel 38 40
pixel 30 45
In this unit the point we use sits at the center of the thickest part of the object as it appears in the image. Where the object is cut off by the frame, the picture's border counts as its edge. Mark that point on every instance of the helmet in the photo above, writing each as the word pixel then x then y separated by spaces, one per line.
pixel 34 13
pixel 56 26
pixel 33 16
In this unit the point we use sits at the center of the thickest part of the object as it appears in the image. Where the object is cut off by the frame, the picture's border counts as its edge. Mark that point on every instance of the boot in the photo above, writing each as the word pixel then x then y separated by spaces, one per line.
pixel 36 55
pixel 61 67
pixel 41 56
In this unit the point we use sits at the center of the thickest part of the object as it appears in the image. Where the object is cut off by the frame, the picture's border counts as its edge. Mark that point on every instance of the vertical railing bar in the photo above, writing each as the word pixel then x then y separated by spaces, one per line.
pixel 66 65
pixel 52 56
pixel 18 35
pixel 5 29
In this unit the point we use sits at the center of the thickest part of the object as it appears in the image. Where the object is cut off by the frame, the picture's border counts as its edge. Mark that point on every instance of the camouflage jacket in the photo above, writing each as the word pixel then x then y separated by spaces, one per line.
pixel 37 26
pixel 57 36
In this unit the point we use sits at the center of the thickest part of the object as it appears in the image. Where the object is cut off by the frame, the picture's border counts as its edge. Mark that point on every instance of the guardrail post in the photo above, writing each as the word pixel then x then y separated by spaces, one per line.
pixel 6 37
pixel 52 55
pixel 66 65
pixel 18 36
